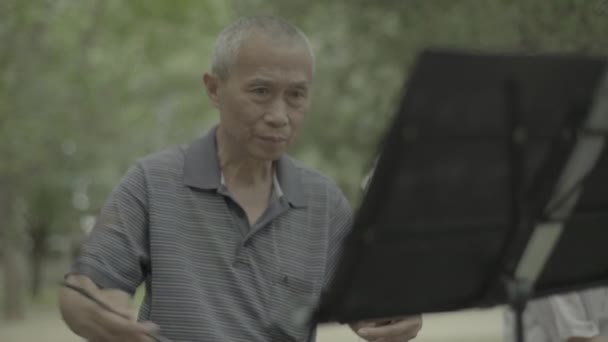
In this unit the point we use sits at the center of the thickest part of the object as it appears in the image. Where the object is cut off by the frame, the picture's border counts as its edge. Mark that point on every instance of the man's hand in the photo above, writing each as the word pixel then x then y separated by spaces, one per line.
pixel 395 330
pixel 89 320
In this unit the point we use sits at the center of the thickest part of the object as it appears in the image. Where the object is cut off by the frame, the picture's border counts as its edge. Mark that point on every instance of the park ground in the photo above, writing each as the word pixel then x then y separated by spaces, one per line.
pixel 44 324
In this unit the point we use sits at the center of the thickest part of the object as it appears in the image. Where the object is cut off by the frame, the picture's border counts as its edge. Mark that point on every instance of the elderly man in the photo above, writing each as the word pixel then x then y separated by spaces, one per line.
pixel 230 236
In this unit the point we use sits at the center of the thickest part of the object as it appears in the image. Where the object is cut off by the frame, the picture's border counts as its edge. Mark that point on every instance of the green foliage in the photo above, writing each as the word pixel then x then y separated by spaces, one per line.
pixel 88 86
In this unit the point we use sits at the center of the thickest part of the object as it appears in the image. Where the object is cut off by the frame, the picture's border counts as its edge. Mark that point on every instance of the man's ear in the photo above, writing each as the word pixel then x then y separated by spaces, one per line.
pixel 212 84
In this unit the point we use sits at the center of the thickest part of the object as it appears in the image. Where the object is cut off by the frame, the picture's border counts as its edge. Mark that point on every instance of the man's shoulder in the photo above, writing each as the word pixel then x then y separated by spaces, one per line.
pixel 169 160
pixel 313 179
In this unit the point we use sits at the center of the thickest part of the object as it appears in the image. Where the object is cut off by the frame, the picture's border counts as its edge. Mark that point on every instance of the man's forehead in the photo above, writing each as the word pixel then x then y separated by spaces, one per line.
pixel 266 61
pixel 266 46
pixel 294 70
pixel 266 80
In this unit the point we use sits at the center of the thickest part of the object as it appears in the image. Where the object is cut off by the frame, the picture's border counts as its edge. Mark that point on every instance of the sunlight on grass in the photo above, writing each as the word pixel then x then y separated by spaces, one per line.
pixel 139 296
pixel 46 299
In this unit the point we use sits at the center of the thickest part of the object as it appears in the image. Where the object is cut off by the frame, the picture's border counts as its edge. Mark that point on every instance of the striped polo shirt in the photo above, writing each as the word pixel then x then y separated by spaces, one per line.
pixel 209 275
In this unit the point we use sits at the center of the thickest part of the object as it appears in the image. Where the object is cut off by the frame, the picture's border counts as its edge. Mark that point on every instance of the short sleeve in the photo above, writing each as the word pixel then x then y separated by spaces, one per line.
pixel 339 227
pixel 555 318
pixel 571 318
pixel 115 254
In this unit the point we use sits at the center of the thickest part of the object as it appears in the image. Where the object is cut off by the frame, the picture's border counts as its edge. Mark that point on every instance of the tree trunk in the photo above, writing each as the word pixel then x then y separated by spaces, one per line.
pixel 14 302
pixel 36 267
pixel 37 257
pixel 13 305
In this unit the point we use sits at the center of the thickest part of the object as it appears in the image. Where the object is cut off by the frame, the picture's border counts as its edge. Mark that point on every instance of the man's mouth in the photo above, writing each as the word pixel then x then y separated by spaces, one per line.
pixel 273 138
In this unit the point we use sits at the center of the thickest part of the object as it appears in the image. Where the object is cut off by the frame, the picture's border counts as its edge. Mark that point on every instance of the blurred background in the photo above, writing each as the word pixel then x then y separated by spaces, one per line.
pixel 88 86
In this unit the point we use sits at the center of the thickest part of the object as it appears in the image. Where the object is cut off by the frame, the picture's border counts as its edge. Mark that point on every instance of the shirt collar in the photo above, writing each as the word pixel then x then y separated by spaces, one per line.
pixel 276 186
pixel 202 171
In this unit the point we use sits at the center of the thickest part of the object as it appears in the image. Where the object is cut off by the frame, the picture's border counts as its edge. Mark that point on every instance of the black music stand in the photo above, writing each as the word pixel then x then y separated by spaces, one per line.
pixel 491 187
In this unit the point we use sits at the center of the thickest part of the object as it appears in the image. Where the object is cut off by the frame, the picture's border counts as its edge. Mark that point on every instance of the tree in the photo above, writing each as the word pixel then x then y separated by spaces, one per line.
pixel 87 87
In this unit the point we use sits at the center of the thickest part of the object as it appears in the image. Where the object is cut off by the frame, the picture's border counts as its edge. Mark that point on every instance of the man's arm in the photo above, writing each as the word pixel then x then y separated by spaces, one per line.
pixel 590 339
pixel 111 264
pixel 87 319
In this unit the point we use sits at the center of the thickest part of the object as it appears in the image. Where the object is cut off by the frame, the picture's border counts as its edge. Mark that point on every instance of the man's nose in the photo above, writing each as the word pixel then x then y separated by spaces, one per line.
pixel 278 113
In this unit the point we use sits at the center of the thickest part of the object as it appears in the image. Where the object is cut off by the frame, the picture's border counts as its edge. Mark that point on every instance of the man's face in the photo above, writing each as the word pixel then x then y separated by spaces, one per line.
pixel 265 97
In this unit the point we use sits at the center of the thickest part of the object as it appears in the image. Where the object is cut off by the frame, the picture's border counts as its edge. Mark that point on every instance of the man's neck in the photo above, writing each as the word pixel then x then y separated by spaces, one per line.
pixel 246 173
pixel 239 170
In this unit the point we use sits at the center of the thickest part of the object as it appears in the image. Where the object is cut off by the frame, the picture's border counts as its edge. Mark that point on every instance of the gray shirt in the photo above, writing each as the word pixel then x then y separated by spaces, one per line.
pixel 209 276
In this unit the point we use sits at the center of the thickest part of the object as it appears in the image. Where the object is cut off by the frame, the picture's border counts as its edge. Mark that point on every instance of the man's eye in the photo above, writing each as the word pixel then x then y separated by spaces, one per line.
pixel 297 94
pixel 261 91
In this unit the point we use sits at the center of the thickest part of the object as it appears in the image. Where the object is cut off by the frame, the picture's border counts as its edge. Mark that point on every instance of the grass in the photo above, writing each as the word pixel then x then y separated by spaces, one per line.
pixel 46 299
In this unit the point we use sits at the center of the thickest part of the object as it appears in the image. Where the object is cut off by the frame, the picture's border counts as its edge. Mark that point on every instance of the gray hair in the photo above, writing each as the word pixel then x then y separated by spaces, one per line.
pixel 228 43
